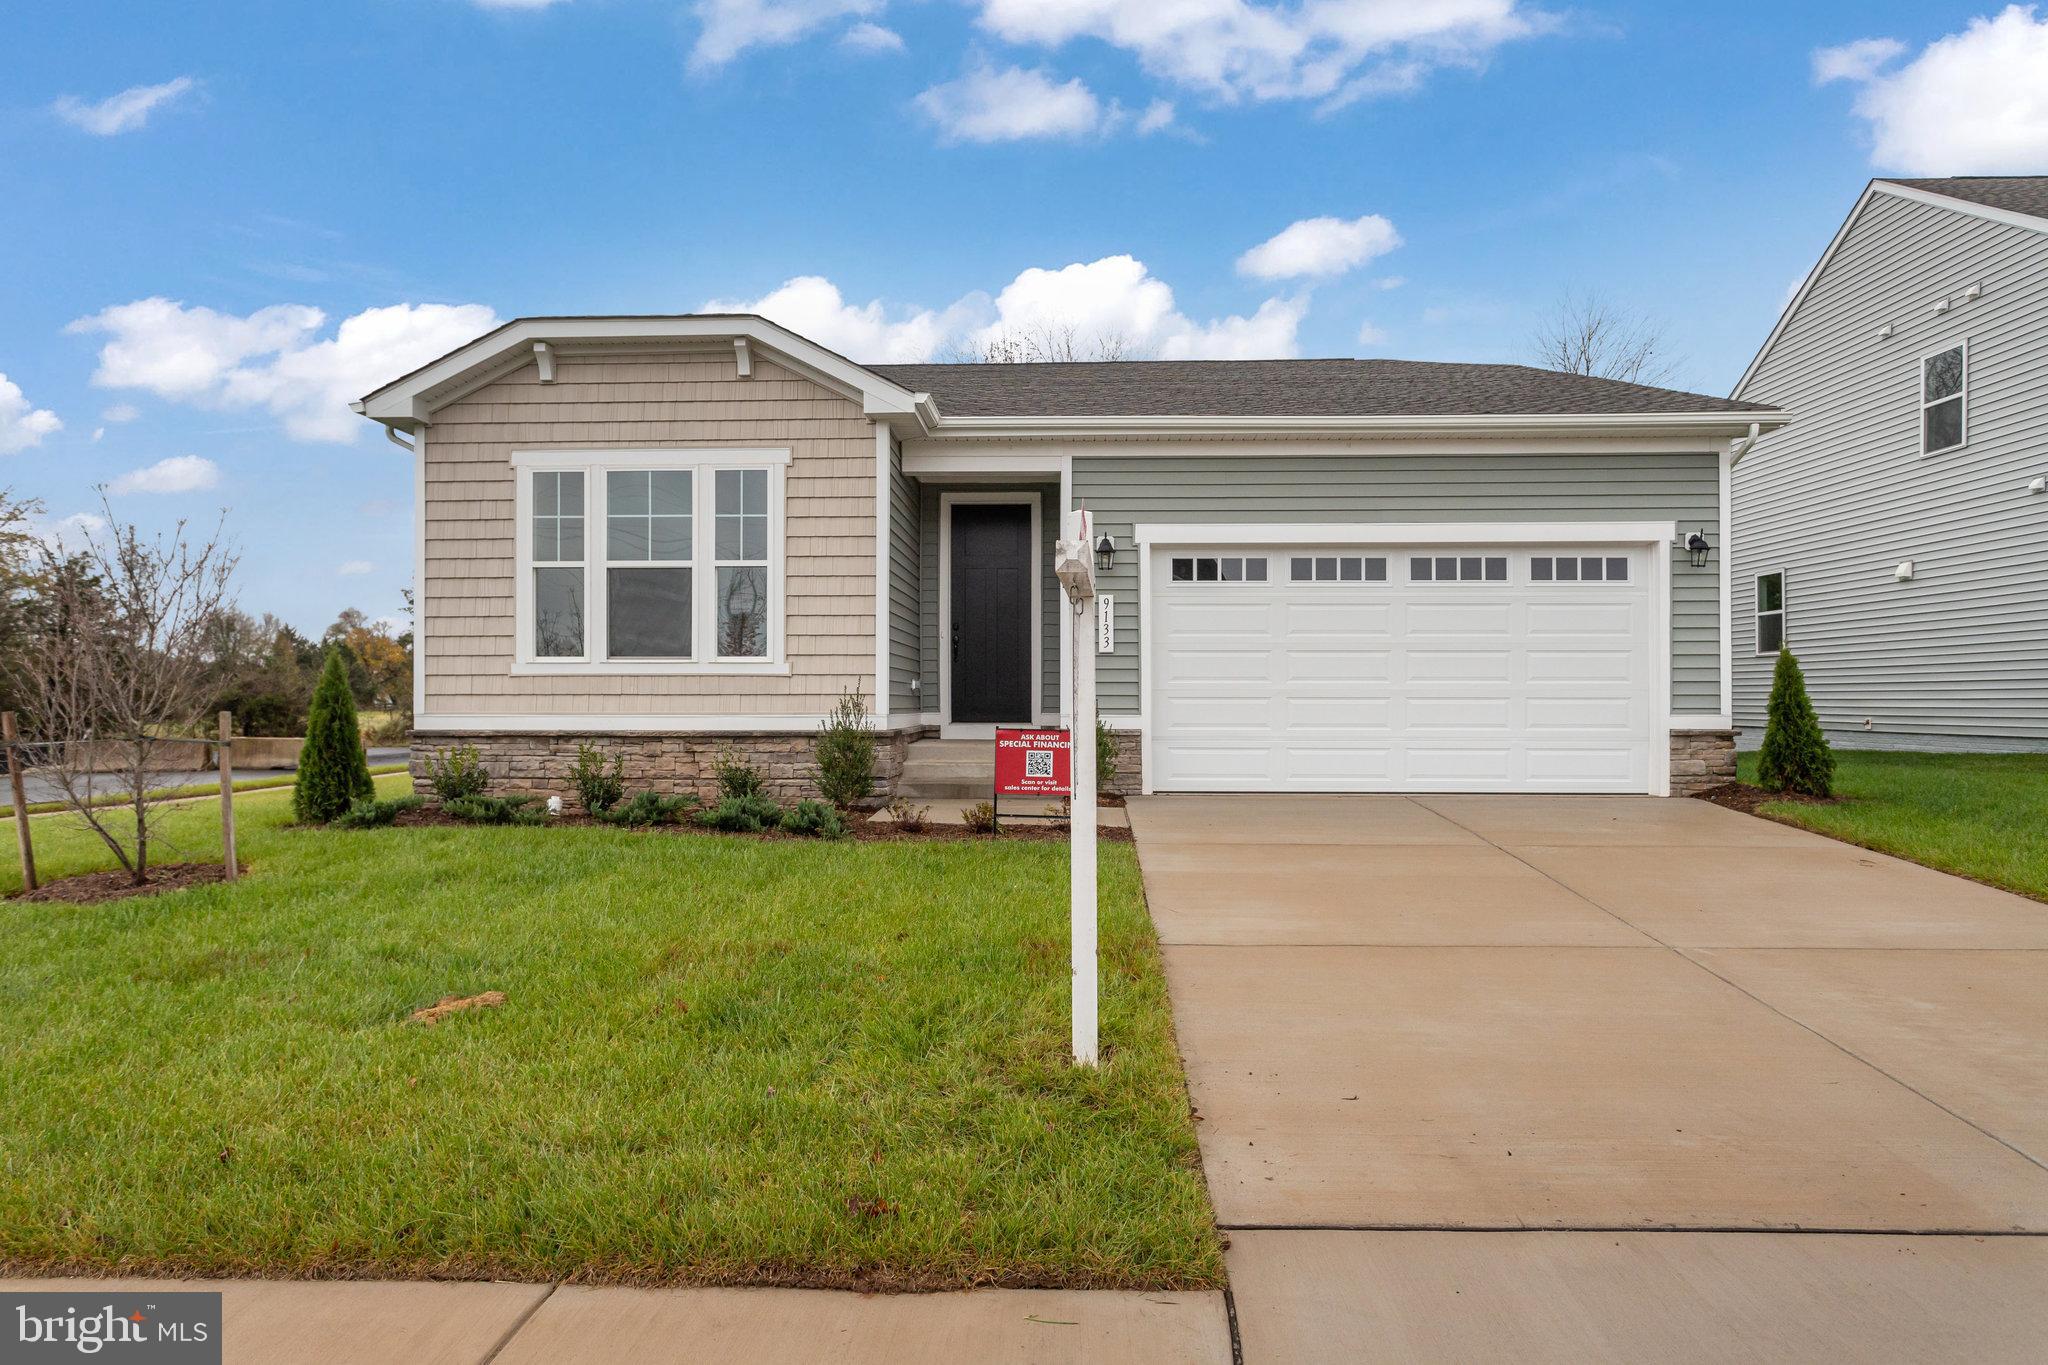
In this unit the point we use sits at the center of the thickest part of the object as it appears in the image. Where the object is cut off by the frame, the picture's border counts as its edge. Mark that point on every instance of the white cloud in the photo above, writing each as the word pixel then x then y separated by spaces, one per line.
pixel 730 27
pixel 273 358
pixel 1319 246
pixel 1390 282
pixel 1857 61
pixel 67 533
pixel 1369 335
pixel 121 412
pixel 1972 103
pixel 991 105
pixel 812 306
pixel 354 567
pixel 122 113
pixel 178 474
pixel 866 37
pixel 1157 118
pixel 1118 297
pixel 22 426
pixel 1335 50
pixel 98 433
pixel 1115 296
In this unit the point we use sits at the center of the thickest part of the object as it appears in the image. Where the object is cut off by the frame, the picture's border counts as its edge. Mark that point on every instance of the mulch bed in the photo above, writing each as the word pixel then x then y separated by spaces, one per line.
pixel 1015 829
pixel 1747 799
pixel 90 888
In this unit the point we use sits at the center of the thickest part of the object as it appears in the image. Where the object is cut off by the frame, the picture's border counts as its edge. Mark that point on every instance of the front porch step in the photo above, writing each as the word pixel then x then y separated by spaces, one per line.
pixel 948 770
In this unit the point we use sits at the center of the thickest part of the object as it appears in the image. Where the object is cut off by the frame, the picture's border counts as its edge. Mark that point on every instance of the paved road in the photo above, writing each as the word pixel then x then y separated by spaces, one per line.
pixel 1734 1072
pixel 40 788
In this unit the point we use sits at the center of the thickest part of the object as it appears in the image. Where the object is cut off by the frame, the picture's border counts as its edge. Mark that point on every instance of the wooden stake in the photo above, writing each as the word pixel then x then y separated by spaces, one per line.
pixel 21 829
pixel 227 793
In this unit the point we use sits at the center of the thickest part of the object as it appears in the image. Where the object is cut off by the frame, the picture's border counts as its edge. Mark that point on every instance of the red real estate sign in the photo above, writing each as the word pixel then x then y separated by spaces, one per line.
pixel 1034 763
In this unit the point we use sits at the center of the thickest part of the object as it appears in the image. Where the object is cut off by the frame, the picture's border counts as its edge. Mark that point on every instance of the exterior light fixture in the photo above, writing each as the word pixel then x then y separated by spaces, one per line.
pixel 1105 553
pixel 1697 547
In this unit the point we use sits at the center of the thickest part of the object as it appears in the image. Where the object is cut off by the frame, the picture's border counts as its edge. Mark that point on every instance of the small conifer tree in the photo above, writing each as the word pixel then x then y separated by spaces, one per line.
pixel 333 771
pixel 1795 756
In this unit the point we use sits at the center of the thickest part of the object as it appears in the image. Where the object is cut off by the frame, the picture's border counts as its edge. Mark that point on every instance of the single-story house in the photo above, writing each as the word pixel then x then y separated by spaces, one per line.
pixel 1892 540
pixel 667 536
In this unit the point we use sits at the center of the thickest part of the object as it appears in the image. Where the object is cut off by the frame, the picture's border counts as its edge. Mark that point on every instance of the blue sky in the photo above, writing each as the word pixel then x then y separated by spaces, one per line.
pixel 221 220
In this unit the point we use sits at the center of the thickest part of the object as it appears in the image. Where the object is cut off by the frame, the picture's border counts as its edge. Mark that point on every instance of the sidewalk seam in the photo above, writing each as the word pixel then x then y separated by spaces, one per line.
pixel 519 1324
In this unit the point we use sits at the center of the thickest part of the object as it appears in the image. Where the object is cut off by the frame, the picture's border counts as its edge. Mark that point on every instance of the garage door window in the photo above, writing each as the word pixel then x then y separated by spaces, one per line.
pixel 1458 569
pixel 1578 569
pixel 1336 569
pixel 1219 569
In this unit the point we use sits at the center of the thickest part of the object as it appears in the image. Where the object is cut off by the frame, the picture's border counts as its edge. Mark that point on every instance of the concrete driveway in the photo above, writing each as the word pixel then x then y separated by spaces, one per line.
pixel 1736 1073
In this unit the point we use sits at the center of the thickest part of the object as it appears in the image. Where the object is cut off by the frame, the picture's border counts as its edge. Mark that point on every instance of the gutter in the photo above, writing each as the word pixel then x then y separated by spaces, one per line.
pixel 1450 425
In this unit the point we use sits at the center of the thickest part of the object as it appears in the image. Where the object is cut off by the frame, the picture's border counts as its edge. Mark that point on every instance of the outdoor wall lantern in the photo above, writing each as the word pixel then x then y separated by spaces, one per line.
pixel 1696 546
pixel 1105 553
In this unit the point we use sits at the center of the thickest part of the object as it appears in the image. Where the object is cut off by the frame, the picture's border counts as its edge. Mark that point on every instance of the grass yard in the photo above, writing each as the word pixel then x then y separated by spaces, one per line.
pixel 719 1061
pixel 1980 815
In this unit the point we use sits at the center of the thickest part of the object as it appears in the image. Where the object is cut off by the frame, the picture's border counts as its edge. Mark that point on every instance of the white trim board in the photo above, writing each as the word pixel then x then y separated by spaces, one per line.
pixel 587 723
pixel 949 728
pixel 885 548
pixel 1149 534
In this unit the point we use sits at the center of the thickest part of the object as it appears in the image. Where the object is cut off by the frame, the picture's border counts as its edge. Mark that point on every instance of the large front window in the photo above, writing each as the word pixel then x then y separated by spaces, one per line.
pixel 650 561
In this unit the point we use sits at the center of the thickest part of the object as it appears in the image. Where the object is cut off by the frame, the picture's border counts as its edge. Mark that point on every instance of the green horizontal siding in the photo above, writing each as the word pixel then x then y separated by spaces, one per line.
pixel 1123 491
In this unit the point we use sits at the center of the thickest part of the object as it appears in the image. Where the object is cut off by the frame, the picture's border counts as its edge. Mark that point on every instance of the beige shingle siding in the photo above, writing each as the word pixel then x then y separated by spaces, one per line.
pixel 640 401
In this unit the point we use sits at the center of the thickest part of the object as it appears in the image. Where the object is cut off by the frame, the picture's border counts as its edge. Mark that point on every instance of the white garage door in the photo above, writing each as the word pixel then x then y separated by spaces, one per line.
pixel 1478 668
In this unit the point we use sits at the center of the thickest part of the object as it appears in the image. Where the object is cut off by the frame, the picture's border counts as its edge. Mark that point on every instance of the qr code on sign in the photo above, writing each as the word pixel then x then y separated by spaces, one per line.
pixel 1038 763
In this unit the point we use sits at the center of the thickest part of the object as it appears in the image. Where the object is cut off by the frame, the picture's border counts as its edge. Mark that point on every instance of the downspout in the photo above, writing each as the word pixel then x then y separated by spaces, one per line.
pixel 1741 447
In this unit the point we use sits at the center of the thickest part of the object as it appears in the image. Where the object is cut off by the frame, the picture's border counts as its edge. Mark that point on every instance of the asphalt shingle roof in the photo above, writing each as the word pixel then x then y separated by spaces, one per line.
pixel 1285 388
pixel 2014 193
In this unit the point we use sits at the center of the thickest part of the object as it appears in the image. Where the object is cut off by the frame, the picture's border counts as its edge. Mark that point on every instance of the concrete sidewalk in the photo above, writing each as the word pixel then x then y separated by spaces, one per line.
pixel 288 1322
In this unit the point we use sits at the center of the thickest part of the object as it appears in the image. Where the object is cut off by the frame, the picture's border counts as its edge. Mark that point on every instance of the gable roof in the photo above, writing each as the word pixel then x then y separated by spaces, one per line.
pixel 1109 397
pixel 1995 197
pixel 2026 194
pixel 1286 388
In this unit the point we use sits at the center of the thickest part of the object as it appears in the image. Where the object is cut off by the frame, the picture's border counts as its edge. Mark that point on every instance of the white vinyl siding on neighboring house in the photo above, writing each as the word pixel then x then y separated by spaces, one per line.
pixel 1955 656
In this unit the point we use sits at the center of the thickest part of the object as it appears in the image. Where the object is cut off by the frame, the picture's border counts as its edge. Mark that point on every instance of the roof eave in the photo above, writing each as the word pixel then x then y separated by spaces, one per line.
pixel 1706 424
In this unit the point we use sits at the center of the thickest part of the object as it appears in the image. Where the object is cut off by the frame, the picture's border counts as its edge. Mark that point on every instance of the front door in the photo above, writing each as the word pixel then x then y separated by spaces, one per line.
pixel 989 637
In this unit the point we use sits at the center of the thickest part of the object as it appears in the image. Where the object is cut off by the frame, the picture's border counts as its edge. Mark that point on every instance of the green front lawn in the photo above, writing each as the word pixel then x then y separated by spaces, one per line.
pixel 1980 815
pixel 719 1061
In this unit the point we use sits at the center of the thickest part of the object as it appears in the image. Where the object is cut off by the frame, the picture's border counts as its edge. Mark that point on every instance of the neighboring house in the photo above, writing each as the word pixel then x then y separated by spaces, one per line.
pixel 1896 539
pixel 667 535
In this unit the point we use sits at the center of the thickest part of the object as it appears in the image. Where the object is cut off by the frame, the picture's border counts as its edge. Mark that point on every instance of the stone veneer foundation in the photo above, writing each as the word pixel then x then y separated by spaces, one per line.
pixel 672 764
pixel 1701 759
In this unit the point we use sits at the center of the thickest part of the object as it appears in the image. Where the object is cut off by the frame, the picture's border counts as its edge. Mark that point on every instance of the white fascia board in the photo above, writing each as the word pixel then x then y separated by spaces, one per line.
pixel 400 402
pixel 1408 533
pixel 1465 424
pixel 1871 191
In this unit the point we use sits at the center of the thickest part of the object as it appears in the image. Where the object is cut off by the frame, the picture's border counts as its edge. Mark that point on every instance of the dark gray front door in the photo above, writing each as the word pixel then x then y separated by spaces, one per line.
pixel 990 633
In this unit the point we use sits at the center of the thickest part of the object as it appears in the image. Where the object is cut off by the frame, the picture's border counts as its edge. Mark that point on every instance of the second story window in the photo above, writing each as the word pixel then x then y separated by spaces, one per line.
pixel 1944 386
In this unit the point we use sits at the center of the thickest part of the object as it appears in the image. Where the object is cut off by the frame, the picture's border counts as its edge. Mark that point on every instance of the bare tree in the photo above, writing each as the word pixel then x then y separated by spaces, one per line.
pixel 1584 333
pixel 1041 343
pixel 118 665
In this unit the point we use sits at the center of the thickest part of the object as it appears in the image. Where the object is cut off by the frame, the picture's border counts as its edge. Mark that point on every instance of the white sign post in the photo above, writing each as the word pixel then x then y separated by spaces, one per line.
pixel 1075 564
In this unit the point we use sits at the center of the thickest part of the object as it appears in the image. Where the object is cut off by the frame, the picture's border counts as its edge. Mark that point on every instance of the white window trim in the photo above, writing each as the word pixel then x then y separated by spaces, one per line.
pixel 1963 394
pixel 1757 613
pixel 595 464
